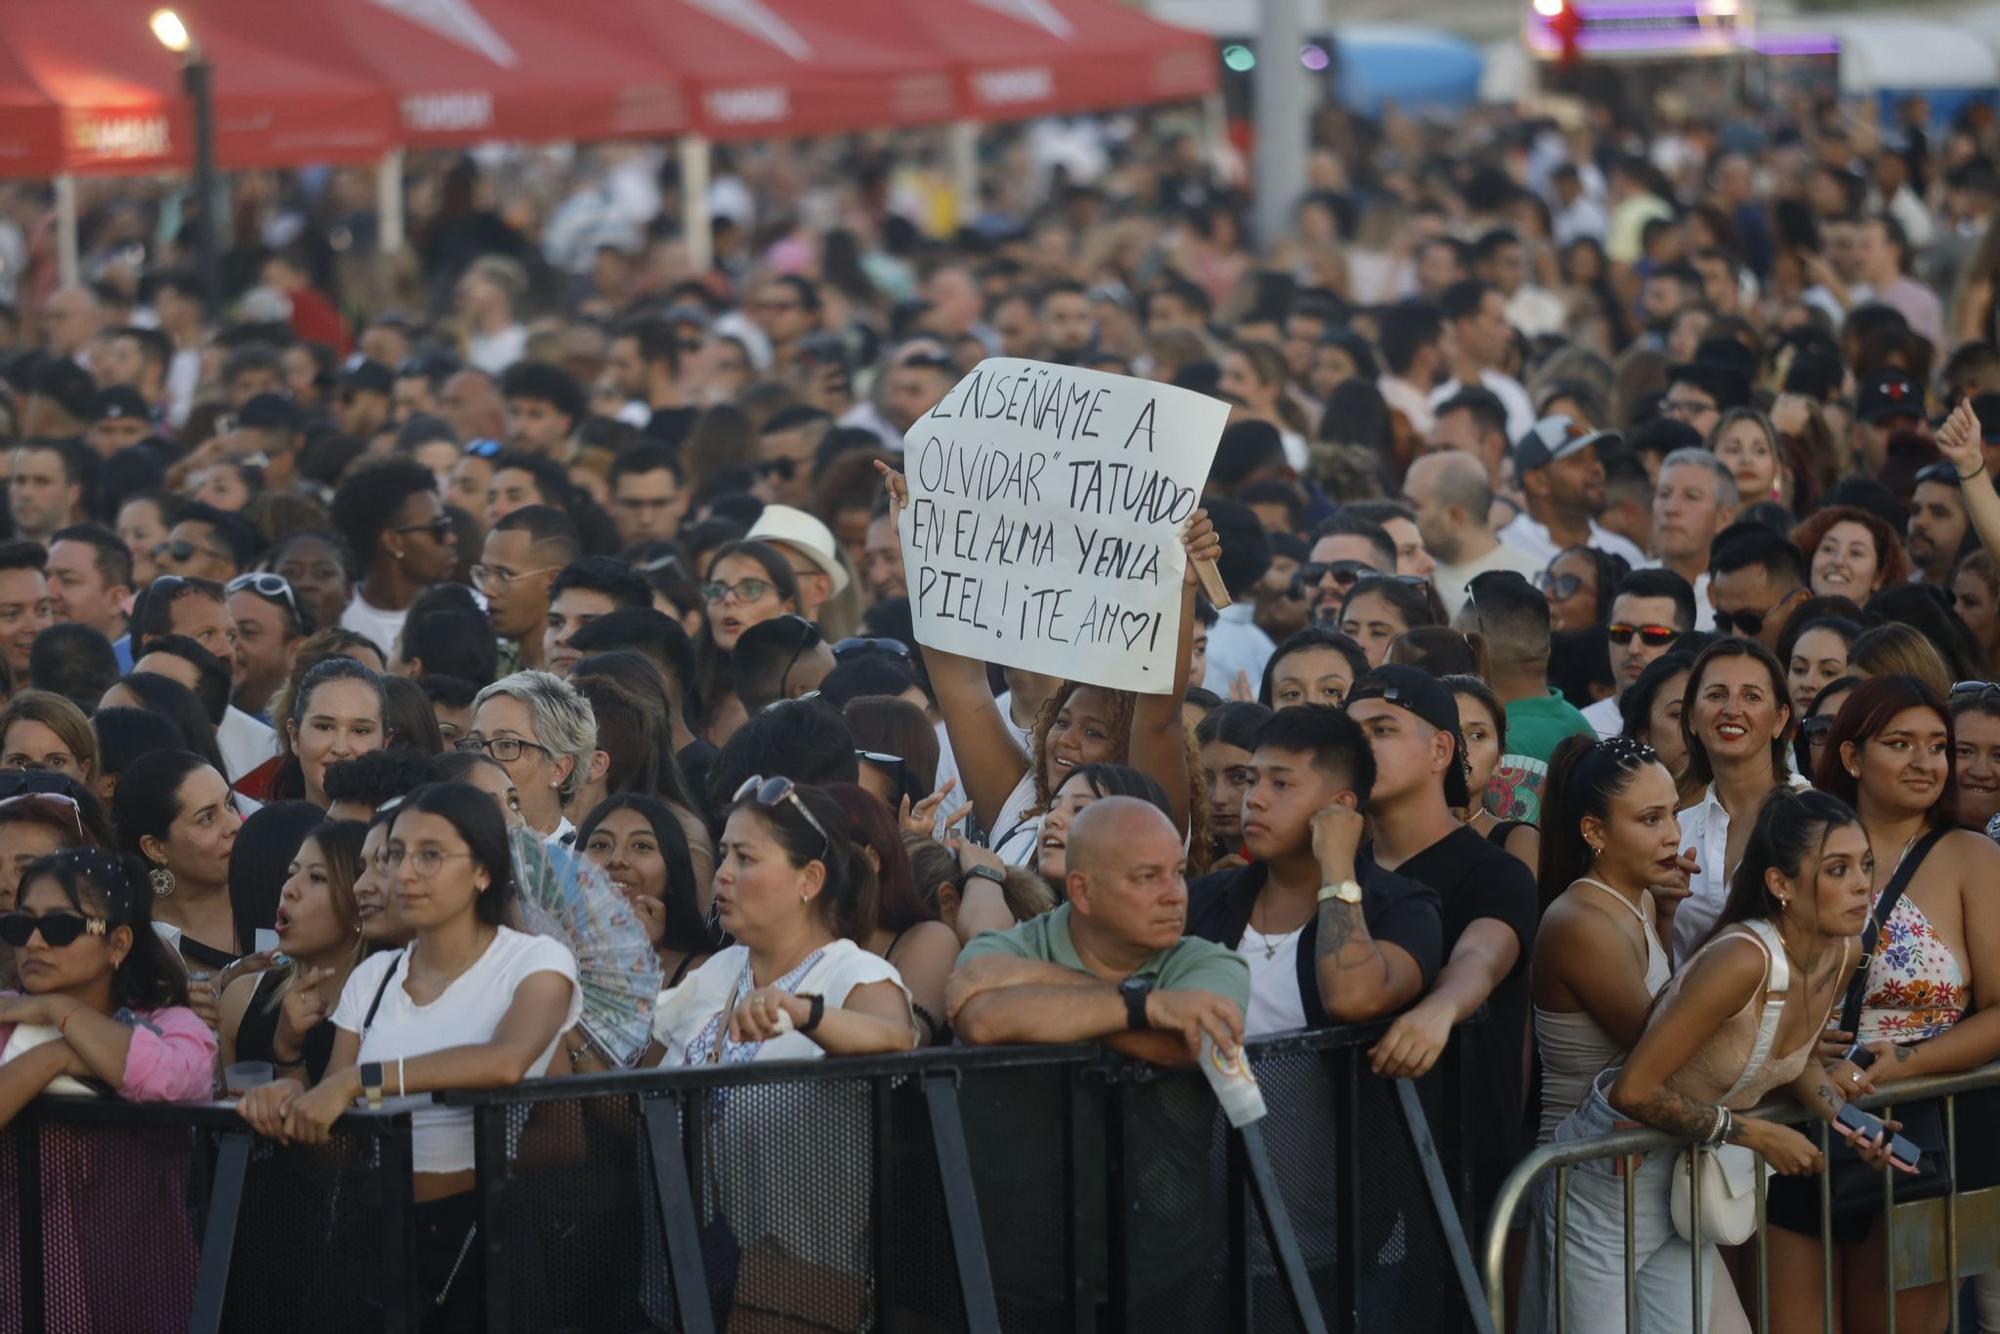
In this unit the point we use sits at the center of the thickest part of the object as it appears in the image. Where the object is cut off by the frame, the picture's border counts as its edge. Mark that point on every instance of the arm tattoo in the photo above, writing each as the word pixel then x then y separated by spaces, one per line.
pixel 1903 1053
pixel 1677 1115
pixel 1344 932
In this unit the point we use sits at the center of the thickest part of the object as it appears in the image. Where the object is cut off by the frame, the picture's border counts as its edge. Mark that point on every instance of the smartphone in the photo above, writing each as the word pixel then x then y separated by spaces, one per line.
pixel 1868 1125
pixel 1860 1057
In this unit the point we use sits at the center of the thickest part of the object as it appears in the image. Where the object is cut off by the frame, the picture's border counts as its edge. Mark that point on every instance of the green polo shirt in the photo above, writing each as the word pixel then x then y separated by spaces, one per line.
pixel 1191 965
pixel 1535 727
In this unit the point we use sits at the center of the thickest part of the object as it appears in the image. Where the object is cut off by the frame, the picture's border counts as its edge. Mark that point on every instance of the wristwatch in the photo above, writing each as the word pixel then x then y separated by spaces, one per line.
pixel 1347 891
pixel 981 871
pixel 1135 989
pixel 371 1084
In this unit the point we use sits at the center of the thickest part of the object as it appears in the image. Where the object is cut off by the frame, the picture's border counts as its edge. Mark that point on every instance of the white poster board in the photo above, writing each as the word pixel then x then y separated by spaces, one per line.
pixel 1043 529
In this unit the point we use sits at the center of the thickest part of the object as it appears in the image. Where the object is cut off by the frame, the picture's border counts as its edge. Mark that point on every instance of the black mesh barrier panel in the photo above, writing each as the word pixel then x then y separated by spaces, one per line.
pixel 1174 1207
pixel 326 1203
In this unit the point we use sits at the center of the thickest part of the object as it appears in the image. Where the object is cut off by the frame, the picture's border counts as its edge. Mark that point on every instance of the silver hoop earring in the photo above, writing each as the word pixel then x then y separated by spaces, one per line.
pixel 163 881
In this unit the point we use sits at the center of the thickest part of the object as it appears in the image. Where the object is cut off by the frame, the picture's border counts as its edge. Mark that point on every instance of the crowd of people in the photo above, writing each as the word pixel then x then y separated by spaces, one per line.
pixel 1608 518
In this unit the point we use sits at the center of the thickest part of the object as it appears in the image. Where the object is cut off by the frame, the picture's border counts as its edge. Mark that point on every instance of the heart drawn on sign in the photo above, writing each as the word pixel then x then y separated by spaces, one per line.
pixel 1139 621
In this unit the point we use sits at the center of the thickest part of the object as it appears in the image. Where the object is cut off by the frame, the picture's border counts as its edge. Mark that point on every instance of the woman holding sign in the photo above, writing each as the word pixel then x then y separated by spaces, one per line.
pixel 1010 788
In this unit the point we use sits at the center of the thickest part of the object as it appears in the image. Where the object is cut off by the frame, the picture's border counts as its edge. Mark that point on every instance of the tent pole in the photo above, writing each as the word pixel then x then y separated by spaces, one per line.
pixel 965 168
pixel 68 268
pixel 1282 105
pixel 695 228
pixel 389 203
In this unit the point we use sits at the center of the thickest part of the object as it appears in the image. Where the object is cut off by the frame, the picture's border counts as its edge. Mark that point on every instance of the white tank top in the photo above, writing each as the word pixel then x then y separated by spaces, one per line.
pixel 1574 1049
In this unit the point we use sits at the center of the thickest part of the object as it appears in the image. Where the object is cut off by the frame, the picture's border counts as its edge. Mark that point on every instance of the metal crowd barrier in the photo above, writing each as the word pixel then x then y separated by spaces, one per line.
pixel 1040 1188
pixel 1952 1237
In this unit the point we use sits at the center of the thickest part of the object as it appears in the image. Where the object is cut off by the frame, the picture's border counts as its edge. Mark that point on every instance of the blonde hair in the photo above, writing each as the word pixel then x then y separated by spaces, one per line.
pixel 60 716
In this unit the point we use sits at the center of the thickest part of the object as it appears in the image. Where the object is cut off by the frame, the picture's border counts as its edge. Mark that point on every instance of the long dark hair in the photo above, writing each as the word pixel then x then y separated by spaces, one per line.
pixel 259 863
pixel 1868 709
pixel 148 799
pixel 1700 769
pixel 846 902
pixel 688 929
pixel 169 699
pixel 149 977
pixel 477 820
pixel 1312 636
pixel 1584 776
pixel 898 907
pixel 1792 825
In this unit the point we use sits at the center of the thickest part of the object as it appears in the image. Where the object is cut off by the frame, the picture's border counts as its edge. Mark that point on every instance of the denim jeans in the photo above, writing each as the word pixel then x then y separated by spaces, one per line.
pixel 1593 1290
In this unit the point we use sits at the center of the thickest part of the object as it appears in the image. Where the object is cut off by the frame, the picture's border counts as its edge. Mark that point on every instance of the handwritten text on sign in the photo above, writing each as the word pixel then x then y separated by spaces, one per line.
pixel 1043 530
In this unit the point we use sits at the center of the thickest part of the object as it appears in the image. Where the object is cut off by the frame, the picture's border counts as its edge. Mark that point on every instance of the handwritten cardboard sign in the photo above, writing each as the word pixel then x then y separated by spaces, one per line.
pixel 1043 529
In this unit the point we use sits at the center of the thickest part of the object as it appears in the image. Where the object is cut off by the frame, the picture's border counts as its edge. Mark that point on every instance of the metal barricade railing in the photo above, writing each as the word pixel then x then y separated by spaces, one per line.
pixel 1031 1188
pixel 149 1216
pixel 1951 1237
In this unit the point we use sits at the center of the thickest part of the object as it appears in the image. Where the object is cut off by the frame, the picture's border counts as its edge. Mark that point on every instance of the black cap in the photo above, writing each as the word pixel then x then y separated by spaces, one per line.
pixel 1888 394
pixel 1554 438
pixel 269 412
pixel 368 377
pixel 119 402
pixel 1428 698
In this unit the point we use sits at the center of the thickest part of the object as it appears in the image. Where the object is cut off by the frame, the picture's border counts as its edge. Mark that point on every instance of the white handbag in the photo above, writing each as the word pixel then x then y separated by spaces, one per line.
pixel 1729 1172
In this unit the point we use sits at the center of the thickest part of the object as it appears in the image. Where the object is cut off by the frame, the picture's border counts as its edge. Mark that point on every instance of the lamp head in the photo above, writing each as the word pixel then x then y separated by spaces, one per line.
pixel 170 31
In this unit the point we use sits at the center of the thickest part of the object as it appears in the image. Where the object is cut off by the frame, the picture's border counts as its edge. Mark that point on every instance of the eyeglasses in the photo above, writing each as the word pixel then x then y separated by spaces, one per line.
pixel 182 549
pixel 1561 587
pixel 494 580
pixel 426 861
pixel 1345 573
pixel 505 749
pixel 1652 636
pixel 863 644
pixel 439 528
pixel 743 590
pixel 784 469
pixel 772 792
pixel 1680 409
pixel 273 588
pixel 1749 624
pixel 54 804
pixel 1815 728
pixel 57 928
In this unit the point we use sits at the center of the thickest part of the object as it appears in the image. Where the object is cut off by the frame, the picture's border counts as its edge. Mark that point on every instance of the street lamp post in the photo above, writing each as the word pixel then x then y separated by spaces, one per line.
pixel 197 81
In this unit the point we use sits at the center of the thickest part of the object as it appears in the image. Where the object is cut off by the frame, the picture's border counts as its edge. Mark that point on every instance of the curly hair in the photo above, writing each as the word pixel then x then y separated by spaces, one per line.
pixel 1892 567
pixel 1122 703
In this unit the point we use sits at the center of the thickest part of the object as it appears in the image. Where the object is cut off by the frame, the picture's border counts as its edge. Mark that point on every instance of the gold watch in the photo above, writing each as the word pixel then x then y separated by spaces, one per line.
pixel 1347 891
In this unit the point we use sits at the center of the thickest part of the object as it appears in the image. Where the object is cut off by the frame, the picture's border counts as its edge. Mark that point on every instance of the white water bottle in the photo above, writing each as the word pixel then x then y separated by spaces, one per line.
pixel 1235 1086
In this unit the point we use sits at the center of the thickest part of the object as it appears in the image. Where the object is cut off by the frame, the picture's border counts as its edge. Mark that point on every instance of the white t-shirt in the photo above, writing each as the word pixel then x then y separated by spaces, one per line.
pixel 384 627
pixel 468 1012
pixel 1275 1003
pixel 495 352
pixel 1520 412
pixel 1016 835
pixel 683 1012
pixel 1450 581
pixel 947 766
pixel 1532 539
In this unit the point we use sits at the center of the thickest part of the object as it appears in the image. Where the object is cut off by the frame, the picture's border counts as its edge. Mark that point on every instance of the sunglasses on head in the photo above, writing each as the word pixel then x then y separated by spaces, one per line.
pixel 771 793
pixel 854 644
pixel 1986 692
pixel 273 588
pixel 1652 636
pixel 57 929
pixel 61 809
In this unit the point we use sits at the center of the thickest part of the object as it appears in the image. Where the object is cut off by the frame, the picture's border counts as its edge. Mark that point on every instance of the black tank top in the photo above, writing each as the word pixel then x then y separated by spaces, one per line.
pixel 257 1034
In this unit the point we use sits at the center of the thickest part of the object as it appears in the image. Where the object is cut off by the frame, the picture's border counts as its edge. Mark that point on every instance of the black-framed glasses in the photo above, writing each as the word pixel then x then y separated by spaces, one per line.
pixel 1815 728
pixel 1749 624
pixel 1652 636
pixel 57 929
pixel 743 590
pixel 505 749
pixel 439 528
pixel 771 793
pixel 854 644
pixel 273 588
pixel 1345 573
pixel 182 549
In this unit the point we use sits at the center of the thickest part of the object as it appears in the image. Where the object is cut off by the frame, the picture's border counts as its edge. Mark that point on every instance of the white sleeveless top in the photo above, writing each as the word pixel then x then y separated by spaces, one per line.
pixel 1574 1048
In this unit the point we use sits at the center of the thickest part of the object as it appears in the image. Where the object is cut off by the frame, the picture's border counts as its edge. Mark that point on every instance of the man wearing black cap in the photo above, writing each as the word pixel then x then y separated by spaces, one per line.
pixel 118 420
pixel 270 425
pixel 1488 898
pixel 363 400
pixel 1330 936
pixel 1888 402
pixel 1562 478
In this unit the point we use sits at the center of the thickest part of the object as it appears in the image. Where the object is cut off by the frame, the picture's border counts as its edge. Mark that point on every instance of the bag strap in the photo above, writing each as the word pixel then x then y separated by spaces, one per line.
pixel 1777 980
pixel 376 1004
pixel 1892 894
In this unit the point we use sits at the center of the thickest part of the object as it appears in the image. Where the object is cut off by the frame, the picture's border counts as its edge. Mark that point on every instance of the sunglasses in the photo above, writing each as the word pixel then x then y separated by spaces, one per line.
pixel 182 549
pixel 485 449
pixel 1561 587
pixel 1986 692
pixel 1345 573
pixel 783 469
pixel 1652 636
pixel 57 929
pixel 1814 729
pixel 273 588
pixel 863 644
pixel 439 528
pixel 61 808
pixel 771 793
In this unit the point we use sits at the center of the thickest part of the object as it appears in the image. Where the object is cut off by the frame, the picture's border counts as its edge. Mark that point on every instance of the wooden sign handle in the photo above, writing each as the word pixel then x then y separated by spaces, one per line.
pixel 1211 584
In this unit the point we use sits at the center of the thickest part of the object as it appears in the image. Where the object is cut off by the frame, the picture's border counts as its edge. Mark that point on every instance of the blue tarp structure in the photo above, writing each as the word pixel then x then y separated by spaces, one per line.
pixel 1412 67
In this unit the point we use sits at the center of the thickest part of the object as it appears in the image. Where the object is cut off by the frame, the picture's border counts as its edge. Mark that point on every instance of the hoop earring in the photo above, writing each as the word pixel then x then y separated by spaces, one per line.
pixel 162 880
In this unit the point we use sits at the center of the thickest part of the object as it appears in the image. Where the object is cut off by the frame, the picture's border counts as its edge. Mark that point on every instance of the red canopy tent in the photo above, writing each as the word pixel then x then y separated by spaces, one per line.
pixel 85 88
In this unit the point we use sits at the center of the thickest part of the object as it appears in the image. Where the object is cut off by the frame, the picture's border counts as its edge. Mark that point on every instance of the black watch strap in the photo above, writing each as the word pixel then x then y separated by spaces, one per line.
pixel 1135 992
pixel 981 871
pixel 818 1012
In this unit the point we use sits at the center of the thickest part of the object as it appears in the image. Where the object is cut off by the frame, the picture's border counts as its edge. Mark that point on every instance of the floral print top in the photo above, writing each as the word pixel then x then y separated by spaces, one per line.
pixel 1916 990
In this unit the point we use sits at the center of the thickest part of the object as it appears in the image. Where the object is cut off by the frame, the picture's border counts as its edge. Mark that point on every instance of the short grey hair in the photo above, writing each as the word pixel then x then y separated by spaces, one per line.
pixel 1695 456
pixel 560 716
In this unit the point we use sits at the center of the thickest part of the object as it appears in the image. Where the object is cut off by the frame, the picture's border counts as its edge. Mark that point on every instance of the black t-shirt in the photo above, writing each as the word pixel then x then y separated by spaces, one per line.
pixel 1475 878
pixel 671 426
pixel 1398 910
